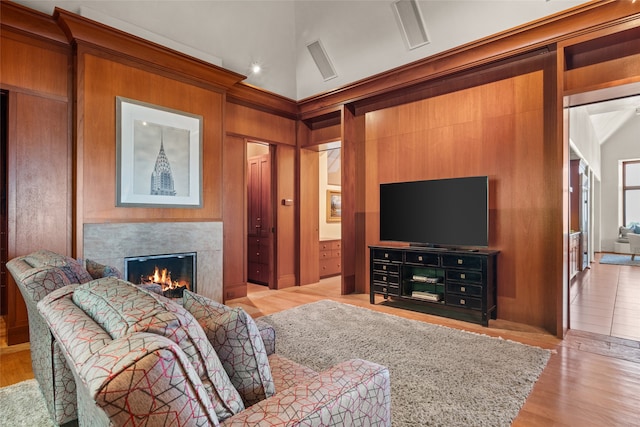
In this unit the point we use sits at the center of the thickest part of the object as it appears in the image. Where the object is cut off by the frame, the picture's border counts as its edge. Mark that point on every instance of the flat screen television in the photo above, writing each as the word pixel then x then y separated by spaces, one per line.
pixel 446 213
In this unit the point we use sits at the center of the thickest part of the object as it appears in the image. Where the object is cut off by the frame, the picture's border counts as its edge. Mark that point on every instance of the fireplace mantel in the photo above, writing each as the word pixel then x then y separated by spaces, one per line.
pixel 111 243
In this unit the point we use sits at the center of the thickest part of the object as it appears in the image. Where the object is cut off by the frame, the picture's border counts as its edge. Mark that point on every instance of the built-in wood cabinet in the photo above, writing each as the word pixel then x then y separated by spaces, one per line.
pixel 330 258
pixel 575 252
pixel 259 216
pixel 580 209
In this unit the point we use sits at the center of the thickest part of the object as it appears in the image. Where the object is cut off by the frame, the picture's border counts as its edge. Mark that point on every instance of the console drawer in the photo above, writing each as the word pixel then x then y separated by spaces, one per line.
pixel 387 290
pixel 462 261
pixel 386 278
pixel 464 276
pixel 422 259
pixel 387 255
pixel 464 289
pixel 462 301
pixel 386 268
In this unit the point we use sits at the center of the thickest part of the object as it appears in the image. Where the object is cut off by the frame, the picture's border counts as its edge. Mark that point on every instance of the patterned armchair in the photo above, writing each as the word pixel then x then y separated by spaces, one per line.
pixel 37 275
pixel 157 362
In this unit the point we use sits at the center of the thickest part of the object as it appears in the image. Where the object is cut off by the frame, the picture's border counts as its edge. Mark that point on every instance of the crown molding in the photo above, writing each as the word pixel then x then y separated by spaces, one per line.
pixel 27 21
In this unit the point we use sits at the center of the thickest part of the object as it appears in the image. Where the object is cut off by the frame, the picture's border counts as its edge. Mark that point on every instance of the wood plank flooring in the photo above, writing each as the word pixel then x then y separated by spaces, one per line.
pixel 605 299
pixel 590 380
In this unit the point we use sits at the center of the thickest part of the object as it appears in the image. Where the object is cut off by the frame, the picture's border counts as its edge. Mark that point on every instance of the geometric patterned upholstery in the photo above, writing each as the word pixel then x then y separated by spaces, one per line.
pixel 237 341
pixel 121 309
pixel 97 270
pixel 268 335
pixel 132 378
pixel 141 369
pixel 37 275
pixel 351 393
pixel 287 373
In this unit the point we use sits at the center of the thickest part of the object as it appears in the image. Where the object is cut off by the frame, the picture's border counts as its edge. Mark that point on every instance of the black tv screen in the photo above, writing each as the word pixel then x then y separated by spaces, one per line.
pixel 444 212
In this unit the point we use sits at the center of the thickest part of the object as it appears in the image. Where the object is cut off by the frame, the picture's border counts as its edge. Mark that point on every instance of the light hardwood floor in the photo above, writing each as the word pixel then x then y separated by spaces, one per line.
pixel 590 380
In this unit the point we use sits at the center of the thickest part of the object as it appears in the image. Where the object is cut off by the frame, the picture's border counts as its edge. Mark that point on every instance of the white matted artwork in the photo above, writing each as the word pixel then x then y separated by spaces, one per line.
pixel 158 156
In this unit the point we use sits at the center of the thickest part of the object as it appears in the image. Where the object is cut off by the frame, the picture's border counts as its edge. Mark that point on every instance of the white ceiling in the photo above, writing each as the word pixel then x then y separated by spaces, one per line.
pixel 361 37
pixel 609 116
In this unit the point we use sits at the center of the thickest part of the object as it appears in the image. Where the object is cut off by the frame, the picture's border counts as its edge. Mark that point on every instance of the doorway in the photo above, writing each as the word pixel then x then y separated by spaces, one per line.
pixel 260 253
pixel 603 134
pixel 321 212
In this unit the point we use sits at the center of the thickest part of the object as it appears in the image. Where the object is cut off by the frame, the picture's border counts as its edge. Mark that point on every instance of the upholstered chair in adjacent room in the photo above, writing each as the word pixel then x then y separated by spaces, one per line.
pixel 634 242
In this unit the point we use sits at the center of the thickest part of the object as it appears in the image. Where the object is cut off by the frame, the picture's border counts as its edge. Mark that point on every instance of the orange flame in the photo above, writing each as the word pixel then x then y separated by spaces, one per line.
pixel 163 278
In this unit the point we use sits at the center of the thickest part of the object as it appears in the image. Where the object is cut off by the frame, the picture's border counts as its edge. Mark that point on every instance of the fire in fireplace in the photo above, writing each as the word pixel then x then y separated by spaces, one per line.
pixel 172 272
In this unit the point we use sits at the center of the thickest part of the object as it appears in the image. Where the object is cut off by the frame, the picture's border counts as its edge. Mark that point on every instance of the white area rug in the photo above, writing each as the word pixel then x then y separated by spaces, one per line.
pixel 439 376
pixel 22 405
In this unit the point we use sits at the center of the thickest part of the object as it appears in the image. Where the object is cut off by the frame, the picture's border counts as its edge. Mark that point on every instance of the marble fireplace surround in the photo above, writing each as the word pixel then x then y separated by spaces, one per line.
pixel 111 243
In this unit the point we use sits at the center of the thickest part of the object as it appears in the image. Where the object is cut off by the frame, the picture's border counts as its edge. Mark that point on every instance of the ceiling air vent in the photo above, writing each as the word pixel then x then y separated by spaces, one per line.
pixel 411 23
pixel 322 61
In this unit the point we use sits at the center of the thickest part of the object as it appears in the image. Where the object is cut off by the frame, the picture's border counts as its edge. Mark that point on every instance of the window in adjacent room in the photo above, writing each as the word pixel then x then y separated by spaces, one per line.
pixel 631 191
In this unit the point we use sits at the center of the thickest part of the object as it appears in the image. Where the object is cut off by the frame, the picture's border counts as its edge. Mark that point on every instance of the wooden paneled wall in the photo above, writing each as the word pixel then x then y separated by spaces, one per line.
pixel 102 79
pixel 34 72
pixel 415 122
pixel 495 129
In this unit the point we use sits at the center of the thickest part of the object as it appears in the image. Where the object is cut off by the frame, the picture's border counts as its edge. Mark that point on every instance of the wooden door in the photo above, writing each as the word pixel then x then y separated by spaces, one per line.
pixel 259 213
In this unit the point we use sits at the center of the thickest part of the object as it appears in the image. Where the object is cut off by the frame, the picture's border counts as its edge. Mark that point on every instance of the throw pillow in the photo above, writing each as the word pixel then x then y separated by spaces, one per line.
pixel 75 271
pixel 624 231
pixel 98 271
pixel 121 309
pixel 237 341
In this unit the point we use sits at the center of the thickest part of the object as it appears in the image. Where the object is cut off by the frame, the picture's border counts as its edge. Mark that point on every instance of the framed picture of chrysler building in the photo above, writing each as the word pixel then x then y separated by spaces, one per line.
pixel 158 156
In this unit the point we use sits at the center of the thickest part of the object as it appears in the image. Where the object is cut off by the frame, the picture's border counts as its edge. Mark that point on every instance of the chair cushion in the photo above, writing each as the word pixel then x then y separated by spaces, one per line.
pixel 122 308
pixel 236 339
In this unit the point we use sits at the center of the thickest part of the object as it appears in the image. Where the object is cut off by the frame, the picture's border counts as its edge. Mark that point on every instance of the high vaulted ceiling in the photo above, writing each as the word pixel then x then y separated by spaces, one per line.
pixel 360 37
pixel 609 116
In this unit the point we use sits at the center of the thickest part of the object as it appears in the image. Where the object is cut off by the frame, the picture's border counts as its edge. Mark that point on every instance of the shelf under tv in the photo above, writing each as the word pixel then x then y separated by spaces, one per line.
pixel 466 280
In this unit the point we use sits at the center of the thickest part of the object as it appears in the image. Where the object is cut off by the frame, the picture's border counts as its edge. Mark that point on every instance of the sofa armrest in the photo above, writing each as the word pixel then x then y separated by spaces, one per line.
pixel 355 392
pixel 147 377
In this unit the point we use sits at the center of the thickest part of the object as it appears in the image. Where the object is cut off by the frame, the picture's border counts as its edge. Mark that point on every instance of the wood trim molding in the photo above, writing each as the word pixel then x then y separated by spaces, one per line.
pixel 119 43
pixel 31 22
pixel 527 38
pixel 254 97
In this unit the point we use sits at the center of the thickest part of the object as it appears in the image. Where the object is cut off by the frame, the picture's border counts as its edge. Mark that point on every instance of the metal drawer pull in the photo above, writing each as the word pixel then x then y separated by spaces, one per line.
pixel 462 302
pixel 463 289
pixel 463 276
pixel 460 261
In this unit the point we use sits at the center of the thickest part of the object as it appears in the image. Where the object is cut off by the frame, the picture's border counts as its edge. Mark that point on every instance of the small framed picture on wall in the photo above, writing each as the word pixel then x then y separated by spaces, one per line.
pixel 334 206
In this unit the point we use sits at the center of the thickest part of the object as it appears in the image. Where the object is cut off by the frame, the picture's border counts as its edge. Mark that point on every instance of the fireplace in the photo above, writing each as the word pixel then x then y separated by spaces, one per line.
pixel 172 272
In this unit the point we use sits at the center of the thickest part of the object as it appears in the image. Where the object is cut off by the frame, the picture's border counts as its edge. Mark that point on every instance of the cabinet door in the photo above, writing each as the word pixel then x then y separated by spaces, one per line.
pixel 259 195
pixel 259 218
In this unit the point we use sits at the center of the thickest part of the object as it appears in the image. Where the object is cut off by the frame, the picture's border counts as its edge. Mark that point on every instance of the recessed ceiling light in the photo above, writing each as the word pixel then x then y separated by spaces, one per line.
pixel 256 68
